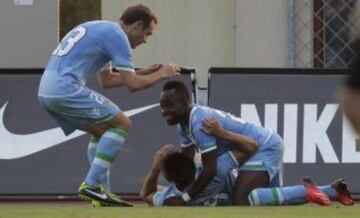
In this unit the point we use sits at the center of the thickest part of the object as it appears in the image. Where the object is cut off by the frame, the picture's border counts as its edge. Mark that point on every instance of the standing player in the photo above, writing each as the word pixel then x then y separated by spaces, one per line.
pixel 263 169
pixel 90 48
pixel 350 96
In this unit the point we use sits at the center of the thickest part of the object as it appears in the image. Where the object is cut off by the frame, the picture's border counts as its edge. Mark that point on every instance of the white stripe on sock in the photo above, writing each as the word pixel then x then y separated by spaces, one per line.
pixel 256 198
pixel 280 196
pixel 114 136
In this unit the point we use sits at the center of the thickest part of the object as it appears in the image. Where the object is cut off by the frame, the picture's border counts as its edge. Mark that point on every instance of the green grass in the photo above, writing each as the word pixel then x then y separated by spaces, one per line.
pixel 84 211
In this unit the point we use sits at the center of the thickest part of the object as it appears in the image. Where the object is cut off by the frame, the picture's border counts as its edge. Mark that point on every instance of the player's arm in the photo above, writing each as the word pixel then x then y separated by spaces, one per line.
pixel 245 144
pixel 148 70
pixel 149 187
pixel 188 151
pixel 209 162
pixel 135 82
pixel 107 78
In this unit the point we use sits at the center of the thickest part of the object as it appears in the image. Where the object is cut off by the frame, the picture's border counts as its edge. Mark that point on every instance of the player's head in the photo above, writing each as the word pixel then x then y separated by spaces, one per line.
pixel 179 169
pixel 353 80
pixel 138 22
pixel 175 102
pixel 350 97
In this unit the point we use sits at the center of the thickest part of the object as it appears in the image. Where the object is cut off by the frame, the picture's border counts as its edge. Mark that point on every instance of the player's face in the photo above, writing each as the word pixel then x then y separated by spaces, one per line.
pixel 173 107
pixel 140 34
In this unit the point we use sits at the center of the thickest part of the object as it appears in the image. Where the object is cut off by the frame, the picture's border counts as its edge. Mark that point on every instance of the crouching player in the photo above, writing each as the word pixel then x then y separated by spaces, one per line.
pixel 298 194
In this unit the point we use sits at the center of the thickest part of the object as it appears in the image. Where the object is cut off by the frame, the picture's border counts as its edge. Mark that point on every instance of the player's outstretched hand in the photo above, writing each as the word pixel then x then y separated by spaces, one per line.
pixel 212 126
pixel 161 154
pixel 169 70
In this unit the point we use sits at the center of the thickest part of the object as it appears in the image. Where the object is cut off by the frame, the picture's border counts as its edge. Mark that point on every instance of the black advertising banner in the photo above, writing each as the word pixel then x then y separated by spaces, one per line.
pixel 37 158
pixel 302 107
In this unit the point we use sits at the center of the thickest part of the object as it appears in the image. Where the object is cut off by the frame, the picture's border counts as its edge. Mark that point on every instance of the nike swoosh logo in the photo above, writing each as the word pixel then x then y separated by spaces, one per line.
pixel 100 196
pixel 15 146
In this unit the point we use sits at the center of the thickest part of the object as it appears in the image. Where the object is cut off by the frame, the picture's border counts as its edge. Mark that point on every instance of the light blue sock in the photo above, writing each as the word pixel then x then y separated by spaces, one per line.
pixel 107 149
pixel 329 191
pixel 291 195
pixel 91 156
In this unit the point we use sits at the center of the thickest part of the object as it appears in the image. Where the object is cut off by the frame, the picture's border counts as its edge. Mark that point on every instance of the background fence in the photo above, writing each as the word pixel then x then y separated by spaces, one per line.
pixel 320 32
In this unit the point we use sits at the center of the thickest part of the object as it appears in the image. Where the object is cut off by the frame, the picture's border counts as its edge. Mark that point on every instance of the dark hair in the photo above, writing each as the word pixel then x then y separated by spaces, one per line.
pixel 354 78
pixel 179 168
pixel 139 12
pixel 179 87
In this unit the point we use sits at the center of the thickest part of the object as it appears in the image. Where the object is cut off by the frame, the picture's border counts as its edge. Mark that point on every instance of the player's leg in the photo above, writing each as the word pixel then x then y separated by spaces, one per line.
pixel 291 195
pixel 112 135
pixel 338 191
pixel 245 183
pixel 105 183
pixel 307 192
pixel 261 170
pixel 91 112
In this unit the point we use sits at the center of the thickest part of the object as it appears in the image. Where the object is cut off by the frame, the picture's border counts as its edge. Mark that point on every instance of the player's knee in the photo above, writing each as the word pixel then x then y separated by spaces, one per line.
pixel 125 125
pixel 240 199
pixel 240 196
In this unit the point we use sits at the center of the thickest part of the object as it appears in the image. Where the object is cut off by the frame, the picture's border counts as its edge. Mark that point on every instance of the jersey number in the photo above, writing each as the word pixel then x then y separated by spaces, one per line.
pixel 66 45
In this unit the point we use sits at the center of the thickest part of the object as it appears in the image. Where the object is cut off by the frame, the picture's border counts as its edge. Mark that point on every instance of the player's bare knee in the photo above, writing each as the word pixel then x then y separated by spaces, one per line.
pixel 125 125
pixel 240 199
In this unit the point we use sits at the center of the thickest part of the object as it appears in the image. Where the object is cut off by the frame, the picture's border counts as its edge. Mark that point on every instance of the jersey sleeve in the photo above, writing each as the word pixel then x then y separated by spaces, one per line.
pixel 204 142
pixel 160 197
pixel 117 48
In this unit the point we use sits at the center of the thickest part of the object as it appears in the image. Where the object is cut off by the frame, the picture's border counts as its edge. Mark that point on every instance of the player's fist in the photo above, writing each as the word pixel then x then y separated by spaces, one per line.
pixel 169 70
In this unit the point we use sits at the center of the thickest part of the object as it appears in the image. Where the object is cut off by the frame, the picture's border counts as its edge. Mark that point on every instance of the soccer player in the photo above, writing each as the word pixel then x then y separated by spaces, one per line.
pixel 91 48
pixel 350 96
pixel 263 169
pixel 181 172
pixel 300 194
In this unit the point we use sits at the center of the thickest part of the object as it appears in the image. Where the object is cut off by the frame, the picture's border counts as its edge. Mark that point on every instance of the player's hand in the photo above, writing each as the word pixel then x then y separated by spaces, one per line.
pixel 169 70
pixel 161 154
pixel 153 68
pixel 175 201
pixel 212 126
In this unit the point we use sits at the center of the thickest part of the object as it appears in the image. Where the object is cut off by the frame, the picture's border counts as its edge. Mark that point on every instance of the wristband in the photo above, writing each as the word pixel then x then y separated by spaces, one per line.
pixel 186 197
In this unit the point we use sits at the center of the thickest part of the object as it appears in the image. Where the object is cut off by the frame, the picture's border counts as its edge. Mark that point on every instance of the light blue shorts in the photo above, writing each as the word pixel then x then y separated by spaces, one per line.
pixel 80 109
pixel 269 159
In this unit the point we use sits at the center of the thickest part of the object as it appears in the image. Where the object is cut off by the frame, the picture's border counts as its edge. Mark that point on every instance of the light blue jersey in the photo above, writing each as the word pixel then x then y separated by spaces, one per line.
pixel 268 156
pixel 82 53
pixel 194 135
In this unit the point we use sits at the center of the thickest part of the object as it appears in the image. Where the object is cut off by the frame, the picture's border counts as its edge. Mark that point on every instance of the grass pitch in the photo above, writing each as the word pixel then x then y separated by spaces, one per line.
pixel 85 211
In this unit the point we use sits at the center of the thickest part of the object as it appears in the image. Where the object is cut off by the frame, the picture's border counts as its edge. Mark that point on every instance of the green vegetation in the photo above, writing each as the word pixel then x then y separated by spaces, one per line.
pixel 74 12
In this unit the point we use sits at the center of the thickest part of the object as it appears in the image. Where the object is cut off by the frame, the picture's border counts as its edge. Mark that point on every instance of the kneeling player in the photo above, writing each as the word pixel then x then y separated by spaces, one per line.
pixel 181 172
